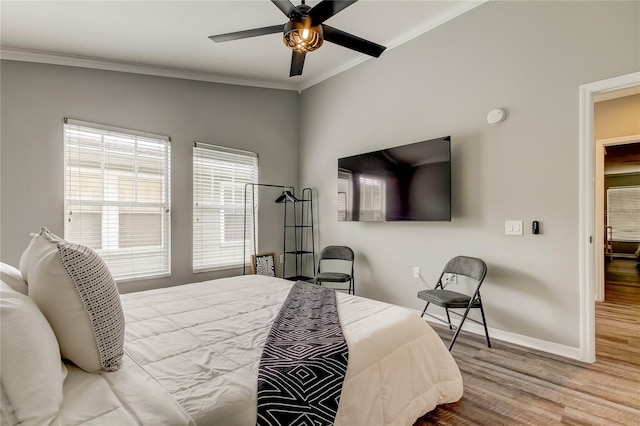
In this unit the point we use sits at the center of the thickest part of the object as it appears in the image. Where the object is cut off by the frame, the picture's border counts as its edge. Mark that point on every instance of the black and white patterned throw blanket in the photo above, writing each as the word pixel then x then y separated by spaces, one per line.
pixel 304 361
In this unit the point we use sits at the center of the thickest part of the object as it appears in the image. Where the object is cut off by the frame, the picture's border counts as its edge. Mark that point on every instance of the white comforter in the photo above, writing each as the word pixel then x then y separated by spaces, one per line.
pixel 192 356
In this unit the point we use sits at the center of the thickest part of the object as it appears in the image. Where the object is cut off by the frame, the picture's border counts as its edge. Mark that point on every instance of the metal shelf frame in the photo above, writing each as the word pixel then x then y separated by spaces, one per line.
pixel 303 237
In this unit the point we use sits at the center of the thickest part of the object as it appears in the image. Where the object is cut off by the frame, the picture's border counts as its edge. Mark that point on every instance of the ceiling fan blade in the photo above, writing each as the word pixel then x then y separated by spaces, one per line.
pixel 286 7
pixel 248 33
pixel 352 42
pixel 297 62
pixel 326 9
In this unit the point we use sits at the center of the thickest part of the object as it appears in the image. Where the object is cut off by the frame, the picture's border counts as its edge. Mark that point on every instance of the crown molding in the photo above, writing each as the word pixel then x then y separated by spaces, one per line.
pixel 84 62
pixel 436 21
pixel 408 35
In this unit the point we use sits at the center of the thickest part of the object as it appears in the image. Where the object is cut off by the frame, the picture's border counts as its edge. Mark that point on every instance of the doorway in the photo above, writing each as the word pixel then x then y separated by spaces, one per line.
pixel 617 305
pixel 617 175
pixel 588 247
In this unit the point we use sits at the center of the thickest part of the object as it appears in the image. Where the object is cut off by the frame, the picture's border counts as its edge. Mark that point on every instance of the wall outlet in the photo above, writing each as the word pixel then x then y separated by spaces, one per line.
pixel 282 258
pixel 416 272
pixel 451 278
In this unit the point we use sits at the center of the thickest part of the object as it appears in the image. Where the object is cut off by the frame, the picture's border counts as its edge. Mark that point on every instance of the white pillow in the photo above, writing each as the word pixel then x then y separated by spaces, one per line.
pixel 13 277
pixel 24 259
pixel 75 291
pixel 31 370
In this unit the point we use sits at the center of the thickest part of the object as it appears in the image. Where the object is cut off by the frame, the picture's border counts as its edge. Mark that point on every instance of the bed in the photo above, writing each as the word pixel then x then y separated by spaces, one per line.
pixel 191 356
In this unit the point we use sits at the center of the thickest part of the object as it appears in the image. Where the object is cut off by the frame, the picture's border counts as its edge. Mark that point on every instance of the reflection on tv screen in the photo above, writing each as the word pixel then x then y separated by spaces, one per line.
pixel 405 183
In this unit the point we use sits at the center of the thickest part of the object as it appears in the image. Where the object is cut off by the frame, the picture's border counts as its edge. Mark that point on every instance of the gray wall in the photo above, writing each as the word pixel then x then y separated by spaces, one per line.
pixel 526 57
pixel 35 98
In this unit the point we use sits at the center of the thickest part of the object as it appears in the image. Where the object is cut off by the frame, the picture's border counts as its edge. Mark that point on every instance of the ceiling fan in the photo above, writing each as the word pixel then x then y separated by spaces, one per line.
pixel 306 31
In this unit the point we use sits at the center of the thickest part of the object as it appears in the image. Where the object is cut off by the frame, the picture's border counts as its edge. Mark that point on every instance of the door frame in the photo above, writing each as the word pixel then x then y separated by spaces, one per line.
pixel 586 216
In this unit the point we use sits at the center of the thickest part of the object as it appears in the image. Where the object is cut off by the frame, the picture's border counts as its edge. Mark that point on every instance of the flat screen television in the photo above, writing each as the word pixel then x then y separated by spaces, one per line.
pixel 405 183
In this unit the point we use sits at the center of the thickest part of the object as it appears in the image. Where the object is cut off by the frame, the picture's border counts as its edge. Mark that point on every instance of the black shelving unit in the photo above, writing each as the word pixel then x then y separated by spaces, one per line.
pixel 299 232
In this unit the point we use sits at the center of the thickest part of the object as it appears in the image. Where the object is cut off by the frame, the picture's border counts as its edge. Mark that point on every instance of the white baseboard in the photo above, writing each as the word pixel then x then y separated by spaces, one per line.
pixel 516 339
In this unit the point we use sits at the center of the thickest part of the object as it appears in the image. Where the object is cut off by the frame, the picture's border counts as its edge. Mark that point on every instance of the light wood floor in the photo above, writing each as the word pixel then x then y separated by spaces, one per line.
pixel 512 385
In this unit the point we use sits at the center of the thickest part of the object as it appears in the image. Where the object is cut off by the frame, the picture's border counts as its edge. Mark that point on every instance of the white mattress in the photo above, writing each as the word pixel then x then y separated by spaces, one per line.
pixel 192 356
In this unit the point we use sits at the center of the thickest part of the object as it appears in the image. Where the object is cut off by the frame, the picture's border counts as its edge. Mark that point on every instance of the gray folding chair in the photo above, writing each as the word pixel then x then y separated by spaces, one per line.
pixel 341 253
pixel 461 265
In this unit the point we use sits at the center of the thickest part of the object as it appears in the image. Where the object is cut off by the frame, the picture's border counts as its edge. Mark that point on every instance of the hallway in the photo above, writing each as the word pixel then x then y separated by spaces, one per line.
pixel 618 317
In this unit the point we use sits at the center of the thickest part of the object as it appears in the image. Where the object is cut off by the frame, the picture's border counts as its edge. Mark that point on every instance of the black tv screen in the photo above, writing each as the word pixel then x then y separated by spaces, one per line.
pixel 405 183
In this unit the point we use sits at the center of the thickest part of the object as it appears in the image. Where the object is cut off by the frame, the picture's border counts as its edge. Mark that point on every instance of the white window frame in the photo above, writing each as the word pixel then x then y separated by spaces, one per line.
pixel 233 169
pixel 125 263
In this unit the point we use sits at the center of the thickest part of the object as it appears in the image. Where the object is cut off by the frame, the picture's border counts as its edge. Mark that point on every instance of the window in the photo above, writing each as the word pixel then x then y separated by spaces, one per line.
pixel 117 197
pixel 623 212
pixel 345 194
pixel 372 204
pixel 219 179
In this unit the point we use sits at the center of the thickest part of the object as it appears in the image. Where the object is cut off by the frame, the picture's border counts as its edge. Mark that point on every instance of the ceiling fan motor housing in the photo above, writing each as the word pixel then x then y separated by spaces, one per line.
pixel 301 36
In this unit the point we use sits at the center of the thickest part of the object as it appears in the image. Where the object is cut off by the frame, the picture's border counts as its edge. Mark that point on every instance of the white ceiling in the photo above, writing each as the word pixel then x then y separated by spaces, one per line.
pixel 170 38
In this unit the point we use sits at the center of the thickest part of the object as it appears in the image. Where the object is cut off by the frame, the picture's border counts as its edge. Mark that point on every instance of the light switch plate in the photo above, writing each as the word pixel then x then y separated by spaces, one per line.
pixel 513 227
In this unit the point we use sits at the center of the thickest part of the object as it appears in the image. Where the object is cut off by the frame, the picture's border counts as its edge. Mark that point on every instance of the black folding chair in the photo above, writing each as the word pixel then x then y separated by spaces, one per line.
pixel 342 253
pixel 461 265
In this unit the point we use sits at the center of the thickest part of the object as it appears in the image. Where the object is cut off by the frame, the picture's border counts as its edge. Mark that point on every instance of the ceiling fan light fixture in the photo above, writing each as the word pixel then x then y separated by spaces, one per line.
pixel 300 36
pixel 305 31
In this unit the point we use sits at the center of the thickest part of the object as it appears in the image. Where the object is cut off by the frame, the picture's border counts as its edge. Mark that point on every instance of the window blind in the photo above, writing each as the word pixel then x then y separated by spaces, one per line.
pixel 372 194
pixel 623 212
pixel 117 197
pixel 219 178
pixel 345 194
